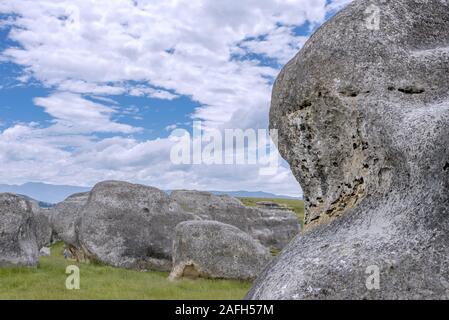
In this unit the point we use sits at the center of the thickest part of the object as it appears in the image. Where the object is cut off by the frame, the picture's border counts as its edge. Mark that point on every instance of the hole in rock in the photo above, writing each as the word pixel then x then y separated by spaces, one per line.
pixel 411 90
pixel 349 92
pixel 305 104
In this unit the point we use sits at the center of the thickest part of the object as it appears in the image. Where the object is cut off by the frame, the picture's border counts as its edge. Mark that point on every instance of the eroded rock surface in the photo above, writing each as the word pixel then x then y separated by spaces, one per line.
pixel 273 228
pixel 130 226
pixel 18 245
pixel 212 249
pixel 363 120
pixel 41 222
pixel 65 220
pixel 43 229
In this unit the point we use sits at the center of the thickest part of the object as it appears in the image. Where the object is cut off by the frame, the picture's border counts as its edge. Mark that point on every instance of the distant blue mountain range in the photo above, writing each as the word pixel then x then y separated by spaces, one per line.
pixel 52 194
pixel 48 193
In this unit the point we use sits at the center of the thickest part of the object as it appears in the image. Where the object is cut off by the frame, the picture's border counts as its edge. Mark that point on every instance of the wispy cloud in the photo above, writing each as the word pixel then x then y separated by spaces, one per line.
pixel 75 114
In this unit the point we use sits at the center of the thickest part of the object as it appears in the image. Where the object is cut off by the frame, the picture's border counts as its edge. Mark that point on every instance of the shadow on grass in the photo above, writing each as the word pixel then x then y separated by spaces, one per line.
pixel 103 282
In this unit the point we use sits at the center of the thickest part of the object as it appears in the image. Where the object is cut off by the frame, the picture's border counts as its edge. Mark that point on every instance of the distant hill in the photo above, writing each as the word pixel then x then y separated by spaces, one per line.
pixel 253 194
pixel 250 194
pixel 39 203
pixel 49 194
pixel 46 193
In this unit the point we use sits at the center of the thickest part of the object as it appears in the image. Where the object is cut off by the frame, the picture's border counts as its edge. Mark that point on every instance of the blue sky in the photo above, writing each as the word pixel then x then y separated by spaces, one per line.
pixel 92 90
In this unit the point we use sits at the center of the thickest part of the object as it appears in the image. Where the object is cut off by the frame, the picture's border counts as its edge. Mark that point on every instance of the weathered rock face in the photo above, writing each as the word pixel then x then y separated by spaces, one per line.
pixel 203 203
pixel 363 120
pixel 66 217
pixel 130 226
pixel 41 222
pixel 18 245
pixel 43 229
pixel 212 249
pixel 273 228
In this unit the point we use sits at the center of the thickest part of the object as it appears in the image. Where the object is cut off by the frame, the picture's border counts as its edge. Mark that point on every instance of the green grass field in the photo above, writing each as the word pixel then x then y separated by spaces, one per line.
pixel 103 282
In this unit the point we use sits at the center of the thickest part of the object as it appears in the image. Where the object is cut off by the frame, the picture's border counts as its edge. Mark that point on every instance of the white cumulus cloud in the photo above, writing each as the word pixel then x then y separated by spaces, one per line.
pixel 204 49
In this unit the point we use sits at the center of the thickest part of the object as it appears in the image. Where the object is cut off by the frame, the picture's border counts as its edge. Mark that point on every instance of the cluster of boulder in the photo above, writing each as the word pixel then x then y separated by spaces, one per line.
pixel 190 233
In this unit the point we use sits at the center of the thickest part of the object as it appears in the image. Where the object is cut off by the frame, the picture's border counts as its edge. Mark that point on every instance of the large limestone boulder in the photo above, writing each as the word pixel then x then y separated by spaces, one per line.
pixel 363 120
pixel 203 203
pixel 41 223
pixel 273 228
pixel 212 249
pixel 43 229
pixel 66 217
pixel 130 226
pixel 18 245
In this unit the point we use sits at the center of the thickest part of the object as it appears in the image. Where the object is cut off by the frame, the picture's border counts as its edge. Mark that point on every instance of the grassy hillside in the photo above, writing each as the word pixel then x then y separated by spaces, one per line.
pixel 296 206
pixel 102 282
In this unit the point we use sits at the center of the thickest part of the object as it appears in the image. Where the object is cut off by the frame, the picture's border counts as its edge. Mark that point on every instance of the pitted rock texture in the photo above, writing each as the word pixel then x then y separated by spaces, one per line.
pixel 18 244
pixel 211 249
pixel 363 120
pixel 41 223
pixel 43 229
pixel 66 217
pixel 273 228
pixel 130 226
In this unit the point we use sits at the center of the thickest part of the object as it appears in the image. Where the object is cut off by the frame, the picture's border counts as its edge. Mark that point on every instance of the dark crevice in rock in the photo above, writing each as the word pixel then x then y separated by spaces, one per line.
pixel 349 92
pixel 365 145
pixel 446 166
pixel 411 90
pixel 305 104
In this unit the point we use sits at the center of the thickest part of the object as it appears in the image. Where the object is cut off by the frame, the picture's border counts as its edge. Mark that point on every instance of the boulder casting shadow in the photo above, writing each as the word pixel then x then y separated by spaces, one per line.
pixel 211 249
pixel 363 119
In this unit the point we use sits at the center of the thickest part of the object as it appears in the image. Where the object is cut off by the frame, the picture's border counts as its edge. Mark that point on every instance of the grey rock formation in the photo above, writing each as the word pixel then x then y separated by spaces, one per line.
pixel 203 203
pixel 212 249
pixel 43 229
pixel 363 120
pixel 130 226
pixel 41 222
pixel 66 217
pixel 273 228
pixel 18 245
